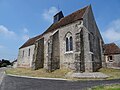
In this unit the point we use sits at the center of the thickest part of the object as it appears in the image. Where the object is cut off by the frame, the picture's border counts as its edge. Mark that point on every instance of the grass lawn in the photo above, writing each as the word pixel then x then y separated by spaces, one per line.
pixel 113 73
pixel 108 87
pixel 60 73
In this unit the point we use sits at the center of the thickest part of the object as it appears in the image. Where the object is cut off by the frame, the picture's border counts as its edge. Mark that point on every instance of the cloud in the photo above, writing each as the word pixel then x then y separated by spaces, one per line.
pixel 25 37
pixel 49 13
pixel 112 33
pixel 25 30
pixel 1 46
pixel 5 32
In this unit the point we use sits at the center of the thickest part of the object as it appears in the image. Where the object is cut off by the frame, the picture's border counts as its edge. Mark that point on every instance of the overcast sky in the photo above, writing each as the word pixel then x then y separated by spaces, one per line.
pixel 23 19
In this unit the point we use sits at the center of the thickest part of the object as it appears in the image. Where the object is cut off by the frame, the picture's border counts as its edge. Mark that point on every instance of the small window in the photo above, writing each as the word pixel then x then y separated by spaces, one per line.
pixel 110 58
pixel 23 53
pixel 48 47
pixel 29 52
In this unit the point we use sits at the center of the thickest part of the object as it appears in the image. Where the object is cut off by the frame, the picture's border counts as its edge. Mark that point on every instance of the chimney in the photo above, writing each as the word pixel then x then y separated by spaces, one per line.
pixel 58 16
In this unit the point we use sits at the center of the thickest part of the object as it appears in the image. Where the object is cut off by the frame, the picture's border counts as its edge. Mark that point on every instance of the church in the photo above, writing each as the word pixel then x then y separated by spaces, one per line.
pixel 72 41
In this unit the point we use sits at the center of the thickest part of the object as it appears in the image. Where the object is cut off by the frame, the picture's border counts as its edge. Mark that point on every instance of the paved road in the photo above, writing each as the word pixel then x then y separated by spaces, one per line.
pixel 20 83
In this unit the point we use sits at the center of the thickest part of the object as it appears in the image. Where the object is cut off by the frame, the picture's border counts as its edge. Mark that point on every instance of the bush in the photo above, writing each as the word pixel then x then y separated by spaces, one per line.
pixel 4 65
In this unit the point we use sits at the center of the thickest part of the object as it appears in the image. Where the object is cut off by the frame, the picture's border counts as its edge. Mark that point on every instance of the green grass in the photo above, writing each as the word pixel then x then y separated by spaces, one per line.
pixel 107 87
pixel 113 73
pixel 60 73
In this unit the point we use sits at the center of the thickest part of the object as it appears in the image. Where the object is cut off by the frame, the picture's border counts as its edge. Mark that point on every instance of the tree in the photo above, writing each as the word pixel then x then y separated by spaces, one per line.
pixel 4 63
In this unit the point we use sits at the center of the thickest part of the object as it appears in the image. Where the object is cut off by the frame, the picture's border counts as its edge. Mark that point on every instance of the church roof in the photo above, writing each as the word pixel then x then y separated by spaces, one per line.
pixel 67 20
pixel 111 48
pixel 78 15
pixel 31 41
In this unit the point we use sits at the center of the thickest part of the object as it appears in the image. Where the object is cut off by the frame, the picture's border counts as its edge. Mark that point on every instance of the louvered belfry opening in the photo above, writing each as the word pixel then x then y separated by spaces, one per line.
pixel 58 16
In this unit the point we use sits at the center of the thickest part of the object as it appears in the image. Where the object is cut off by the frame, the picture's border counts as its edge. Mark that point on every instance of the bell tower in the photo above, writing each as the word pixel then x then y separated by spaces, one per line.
pixel 58 16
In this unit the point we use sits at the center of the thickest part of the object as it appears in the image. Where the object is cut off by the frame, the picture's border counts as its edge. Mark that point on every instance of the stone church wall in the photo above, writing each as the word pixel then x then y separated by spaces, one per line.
pixel 39 54
pixel 46 40
pixel 67 59
pixel 55 51
pixel 95 40
pixel 26 59
pixel 51 51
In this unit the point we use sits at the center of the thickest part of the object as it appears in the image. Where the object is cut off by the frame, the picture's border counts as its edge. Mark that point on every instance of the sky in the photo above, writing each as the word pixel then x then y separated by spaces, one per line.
pixel 23 19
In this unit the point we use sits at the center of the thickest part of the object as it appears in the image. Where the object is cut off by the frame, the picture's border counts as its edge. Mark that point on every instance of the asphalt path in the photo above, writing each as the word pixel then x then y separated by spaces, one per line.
pixel 21 83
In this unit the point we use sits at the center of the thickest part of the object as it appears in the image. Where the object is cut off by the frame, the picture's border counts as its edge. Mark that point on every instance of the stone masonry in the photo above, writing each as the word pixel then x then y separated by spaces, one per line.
pixel 72 42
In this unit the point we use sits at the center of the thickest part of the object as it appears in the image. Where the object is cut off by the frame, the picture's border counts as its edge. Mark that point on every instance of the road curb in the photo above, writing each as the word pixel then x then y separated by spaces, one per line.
pixel 37 77
pixel 1 78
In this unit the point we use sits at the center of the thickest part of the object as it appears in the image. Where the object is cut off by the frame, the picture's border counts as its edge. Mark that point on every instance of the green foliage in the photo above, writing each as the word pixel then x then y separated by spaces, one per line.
pixel 4 63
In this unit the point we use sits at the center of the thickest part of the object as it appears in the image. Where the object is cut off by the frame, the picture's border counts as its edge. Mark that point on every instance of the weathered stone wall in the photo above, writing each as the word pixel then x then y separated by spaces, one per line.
pixel 55 51
pixel 95 40
pixel 26 60
pixel 115 62
pixel 67 59
pixel 46 54
pixel 78 51
pixel 51 51
pixel 39 54
pixel 87 53
pixel 83 58
pixel 80 59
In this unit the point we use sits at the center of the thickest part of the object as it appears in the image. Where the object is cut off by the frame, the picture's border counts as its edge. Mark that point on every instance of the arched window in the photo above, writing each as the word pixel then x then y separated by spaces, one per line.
pixel 67 44
pixel 29 52
pixel 71 43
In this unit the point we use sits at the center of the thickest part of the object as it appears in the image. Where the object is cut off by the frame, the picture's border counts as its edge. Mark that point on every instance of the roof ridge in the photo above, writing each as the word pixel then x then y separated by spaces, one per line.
pixel 76 11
